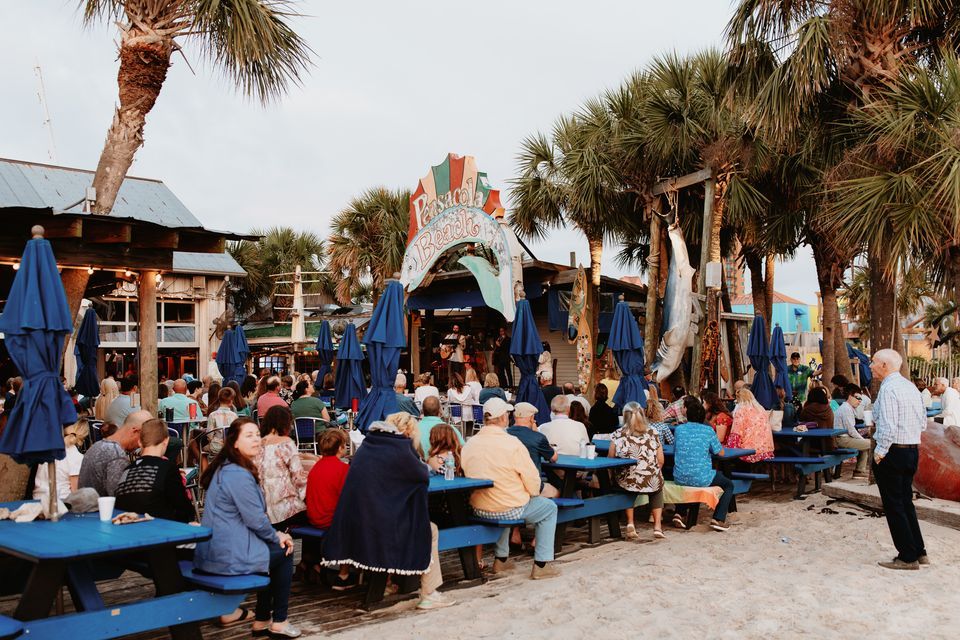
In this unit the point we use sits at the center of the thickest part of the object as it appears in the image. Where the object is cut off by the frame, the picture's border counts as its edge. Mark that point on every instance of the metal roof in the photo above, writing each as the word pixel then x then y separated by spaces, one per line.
pixel 39 186
pixel 216 264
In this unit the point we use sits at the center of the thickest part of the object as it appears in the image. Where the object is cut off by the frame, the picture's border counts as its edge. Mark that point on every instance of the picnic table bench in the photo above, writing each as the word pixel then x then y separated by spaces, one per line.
pixel 607 503
pixel 806 463
pixel 63 553
pixel 10 628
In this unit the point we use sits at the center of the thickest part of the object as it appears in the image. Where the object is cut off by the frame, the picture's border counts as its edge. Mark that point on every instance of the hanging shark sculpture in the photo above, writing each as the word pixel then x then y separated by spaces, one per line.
pixel 681 310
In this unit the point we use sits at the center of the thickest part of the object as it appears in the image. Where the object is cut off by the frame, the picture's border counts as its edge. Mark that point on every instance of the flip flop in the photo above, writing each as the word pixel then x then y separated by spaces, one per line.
pixel 245 616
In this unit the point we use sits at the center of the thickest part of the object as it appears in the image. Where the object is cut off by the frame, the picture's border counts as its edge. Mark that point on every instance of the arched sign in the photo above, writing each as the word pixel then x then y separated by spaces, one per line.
pixel 453 206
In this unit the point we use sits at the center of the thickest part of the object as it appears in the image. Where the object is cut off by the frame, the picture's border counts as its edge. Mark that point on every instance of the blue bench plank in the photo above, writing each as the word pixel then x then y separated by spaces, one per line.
pixel 743 475
pixel 795 459
pixel 741 486
pixel 223 584
pixel 307 532
pixel 601 505
pixel 467 536
pixel 126 619
pixel 845 450
pixel 567 503
pixel 10 628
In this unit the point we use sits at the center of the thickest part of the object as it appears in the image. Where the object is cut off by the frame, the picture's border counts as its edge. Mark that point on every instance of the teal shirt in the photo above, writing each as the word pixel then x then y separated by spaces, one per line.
pixel 426 424
pixel 180 404
pixel 308 407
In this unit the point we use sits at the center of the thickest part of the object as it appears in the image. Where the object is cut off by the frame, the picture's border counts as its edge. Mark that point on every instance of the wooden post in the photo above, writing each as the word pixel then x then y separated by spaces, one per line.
pixel 651 339
pixel 415 344
pixel 708 187
pixel 147 340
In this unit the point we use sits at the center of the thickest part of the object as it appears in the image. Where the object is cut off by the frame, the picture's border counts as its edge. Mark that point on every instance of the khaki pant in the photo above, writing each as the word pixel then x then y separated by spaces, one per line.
pixel 433 578
pixel 862 445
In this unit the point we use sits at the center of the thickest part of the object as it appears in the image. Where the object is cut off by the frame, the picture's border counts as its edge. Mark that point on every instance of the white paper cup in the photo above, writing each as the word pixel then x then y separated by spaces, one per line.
pixel 868 418
pixel 106 508
pixel 591 451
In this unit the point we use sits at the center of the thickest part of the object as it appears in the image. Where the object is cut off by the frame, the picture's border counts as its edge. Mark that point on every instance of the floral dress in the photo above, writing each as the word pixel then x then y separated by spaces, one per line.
pixel 645 476
pixel 283 481
pixel 751 430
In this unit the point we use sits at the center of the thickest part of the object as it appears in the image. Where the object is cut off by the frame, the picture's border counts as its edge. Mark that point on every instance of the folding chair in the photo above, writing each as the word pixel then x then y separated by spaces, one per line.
pixel 477 419
pixel 305 430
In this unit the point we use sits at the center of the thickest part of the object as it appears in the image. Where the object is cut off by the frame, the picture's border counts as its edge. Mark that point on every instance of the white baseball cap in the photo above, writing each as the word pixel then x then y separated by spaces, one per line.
pixel 524 409
pixel 495 407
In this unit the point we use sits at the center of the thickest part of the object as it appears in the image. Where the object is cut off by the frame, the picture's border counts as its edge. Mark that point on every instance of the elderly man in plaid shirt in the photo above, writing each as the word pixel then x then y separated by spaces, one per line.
pixel 900 417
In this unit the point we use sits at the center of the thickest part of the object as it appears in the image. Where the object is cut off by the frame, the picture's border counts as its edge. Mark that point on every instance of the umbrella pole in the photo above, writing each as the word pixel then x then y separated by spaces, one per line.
pixel 52 490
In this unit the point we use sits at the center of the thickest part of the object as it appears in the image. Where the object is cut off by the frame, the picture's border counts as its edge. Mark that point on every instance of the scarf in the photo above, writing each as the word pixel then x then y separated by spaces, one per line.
pixel 381 522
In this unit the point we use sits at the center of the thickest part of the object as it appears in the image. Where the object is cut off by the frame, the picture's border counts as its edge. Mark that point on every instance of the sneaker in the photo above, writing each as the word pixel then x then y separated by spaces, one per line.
pixel 717 525
pixel 342 584
pixel 923 560
pixel 632 533
pixel 502 566
pixel 899 565
pixel 435 600
pixel 544 572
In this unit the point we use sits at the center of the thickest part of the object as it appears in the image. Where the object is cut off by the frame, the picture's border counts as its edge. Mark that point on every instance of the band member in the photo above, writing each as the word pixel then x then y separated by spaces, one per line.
pixel 501 357
pixel 454 344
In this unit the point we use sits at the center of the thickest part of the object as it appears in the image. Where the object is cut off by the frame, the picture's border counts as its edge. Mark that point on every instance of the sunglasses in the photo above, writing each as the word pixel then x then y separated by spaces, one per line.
pixel 858 397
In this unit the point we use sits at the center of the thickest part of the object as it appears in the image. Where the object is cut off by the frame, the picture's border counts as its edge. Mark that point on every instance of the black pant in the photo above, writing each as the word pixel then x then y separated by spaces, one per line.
pixel 894 477
pixel 272 602
pixel 505 373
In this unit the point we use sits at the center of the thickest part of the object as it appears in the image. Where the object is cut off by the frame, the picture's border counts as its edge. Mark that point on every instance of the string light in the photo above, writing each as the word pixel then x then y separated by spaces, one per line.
pixel 16 266
pixel 90 270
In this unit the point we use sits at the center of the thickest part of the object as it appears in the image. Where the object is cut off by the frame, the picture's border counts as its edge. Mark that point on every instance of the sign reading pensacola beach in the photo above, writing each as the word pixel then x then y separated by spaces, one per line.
pixel 454 206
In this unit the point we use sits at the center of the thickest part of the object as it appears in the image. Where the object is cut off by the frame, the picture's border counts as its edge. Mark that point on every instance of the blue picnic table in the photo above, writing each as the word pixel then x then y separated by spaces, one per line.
pixel 668 450
pixel 439 485
pixel 933 412
pixel 806 438
pixel 60 553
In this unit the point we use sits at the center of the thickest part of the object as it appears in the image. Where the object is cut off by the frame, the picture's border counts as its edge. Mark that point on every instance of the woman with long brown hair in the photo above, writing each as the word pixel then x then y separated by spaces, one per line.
pixel 243 540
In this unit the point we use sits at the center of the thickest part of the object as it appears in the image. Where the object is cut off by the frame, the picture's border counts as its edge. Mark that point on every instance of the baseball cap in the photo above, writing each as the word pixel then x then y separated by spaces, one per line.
pixel 495 407
pixel 524 409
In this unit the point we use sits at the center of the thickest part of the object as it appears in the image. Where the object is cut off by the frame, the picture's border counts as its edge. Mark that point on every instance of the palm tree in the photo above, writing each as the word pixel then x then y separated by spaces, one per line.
pixel 573 179
pixel 367 242
pixel 811 66
pixel 278 250
pixel 250 40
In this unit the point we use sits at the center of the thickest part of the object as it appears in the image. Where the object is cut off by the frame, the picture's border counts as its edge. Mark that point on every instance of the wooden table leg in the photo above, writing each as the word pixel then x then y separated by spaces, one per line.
pixel 168 580
pixel 41 590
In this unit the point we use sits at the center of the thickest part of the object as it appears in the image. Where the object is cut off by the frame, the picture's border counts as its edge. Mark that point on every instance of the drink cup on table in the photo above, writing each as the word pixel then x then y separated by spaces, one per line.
pixel 591 451
pixel 106 505
pixel 868 418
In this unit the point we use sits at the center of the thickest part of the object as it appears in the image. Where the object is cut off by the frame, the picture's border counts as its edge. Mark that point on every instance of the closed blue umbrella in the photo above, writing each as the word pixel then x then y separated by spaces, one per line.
pixel 35 322
pixel 243 350
pixel 627 346
pixel 228 358
pixel 349 383
pixel 778 355
pixel 88 341
pixel 384 338
pixel 525 349
pixel 759 354
pixel 324 351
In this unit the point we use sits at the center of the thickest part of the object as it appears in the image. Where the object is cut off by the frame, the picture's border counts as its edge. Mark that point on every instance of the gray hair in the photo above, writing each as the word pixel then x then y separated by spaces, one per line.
pixel 889 356
pixel 560 404
pixel 546 374
pixel 400 382
pixel 942 381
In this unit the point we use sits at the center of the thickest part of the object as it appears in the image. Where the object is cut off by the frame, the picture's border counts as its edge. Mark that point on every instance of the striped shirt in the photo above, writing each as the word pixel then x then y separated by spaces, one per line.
pixel 898 413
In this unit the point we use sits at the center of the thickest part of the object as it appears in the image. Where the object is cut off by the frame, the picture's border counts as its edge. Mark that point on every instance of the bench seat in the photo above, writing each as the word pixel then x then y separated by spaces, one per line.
pixel 467 536
pixel 567 503
pixel 743 475
pixel 223 584
pixel 741 486
pixel 795 460
pixel 493 522
pixel 591 507
pixel 307 531
pixel 10 628
pixel 845 450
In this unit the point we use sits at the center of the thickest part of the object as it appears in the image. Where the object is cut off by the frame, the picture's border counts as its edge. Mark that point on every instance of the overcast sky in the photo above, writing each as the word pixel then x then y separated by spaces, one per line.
pixel 395 86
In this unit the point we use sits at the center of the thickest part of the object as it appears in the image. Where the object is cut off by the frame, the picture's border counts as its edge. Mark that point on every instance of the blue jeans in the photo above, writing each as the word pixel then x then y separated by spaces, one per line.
pixel 542 514
pixel 275 598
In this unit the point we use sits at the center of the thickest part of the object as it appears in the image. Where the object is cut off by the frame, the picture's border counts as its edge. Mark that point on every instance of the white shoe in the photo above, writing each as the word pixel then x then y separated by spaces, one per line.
pixel 632 533
pixel 435 600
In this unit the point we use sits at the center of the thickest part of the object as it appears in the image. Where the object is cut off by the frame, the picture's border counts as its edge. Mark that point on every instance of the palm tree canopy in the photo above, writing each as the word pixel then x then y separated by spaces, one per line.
pixel 367 241
pixel 250 40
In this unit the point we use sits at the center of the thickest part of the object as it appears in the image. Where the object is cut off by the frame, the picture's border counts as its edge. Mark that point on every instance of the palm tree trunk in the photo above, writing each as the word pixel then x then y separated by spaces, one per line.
pixel 757 285
pixel 840 342
pixel 883 303
pixel 595 243
pixel 828 299
pixel 768 279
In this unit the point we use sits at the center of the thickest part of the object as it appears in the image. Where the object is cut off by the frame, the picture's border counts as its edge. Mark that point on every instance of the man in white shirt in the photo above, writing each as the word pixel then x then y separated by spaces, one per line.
pixel 845 417
pixel 563 432
pixel 575 394
pixel 949 401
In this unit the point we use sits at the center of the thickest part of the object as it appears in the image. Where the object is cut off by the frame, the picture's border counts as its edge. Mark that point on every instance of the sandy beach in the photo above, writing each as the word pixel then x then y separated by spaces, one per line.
pixel 786 570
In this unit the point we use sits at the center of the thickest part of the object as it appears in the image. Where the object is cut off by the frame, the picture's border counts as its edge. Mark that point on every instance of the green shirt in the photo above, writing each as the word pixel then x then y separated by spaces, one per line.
pixel 308 407
pixel 798 380
pixel 180 404
pixel 426 424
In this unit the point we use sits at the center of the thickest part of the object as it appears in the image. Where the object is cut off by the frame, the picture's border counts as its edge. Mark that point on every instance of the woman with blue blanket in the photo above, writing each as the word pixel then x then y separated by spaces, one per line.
pixel 381 523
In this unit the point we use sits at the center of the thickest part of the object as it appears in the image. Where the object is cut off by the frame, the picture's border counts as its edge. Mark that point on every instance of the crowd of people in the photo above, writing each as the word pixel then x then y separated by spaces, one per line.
pixel 258 483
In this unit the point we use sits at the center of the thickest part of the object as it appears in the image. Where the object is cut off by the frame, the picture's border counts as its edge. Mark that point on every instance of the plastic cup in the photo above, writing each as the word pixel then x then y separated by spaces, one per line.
pixel 591 451
pixel 868 418
pixel 106 508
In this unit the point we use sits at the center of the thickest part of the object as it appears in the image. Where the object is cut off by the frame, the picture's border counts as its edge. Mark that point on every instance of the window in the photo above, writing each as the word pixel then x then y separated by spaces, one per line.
pixel 119 321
